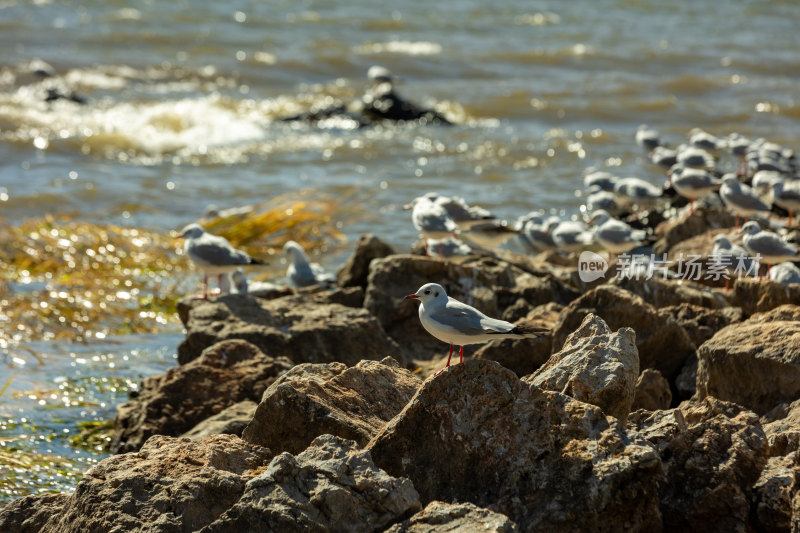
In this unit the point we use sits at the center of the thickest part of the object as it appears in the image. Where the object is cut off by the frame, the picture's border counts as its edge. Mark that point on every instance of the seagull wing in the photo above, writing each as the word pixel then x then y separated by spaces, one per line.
pixel 217 251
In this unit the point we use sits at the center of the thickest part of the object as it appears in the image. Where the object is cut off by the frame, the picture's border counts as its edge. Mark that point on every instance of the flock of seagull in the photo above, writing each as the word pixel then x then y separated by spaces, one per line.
pixel 753 179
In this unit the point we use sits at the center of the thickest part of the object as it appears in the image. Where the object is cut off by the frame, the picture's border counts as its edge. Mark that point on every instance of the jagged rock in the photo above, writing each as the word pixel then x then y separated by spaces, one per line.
pixel 656 428
pixel 782 427
pixel 667 292
pixel 755 363
pixel 662 343
pixel 173 403
pixel 29 514
pixel 231 420
pixel 755 296
pixel 356 269
pixel 170 485
pixel 461 517
pixel 311 400
pixel 489 284
pixel 652 391
pixel 331 486
pixel 771 496
pixel 478 434
pixel 709 468
pixel 701 323
pixel 595 366
pixel 700 222
pixel 293 326
pixel 527 355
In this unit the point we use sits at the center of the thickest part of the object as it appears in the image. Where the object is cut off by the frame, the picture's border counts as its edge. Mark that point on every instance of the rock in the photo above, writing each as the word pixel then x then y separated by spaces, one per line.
pixel 595 366
pixel 461 517
pixel 701 323
pixel 173 403
pixel 331 486
pixel 709 468
pixel 652 391
pixel 356 269
pixel 478 434
pixel 524 356
pixel 755 363
pixel 782 427
pixel 755 296
pixel 686 380
pixel 29 514
pixel 489 284
pixel 771 496
pixel 231 420
pixel 661 342
pixel 292 326
pixel 668 292
pixel 701 221
pixel 170 485
pixel 656 428
pixel 311 400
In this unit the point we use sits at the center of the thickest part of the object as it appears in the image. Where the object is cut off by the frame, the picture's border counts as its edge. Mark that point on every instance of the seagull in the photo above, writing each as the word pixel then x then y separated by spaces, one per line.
pixel 465 216
pixel 459 324
pixel 637 191
pixel 705 141
pixel 663 156
pixel 786 194
pixel 785 274
pixel 730 256
pixel 647 137
pixel 694 157
pixel 431 219
pixel 492 234
pixel 301 272
pixel 534 233
pixel 600 178
pixel 449 247
pixel 740 198
pixel 614 235
pixel 770 246
pixel 213 254
pixel 693 183
pixel 571 236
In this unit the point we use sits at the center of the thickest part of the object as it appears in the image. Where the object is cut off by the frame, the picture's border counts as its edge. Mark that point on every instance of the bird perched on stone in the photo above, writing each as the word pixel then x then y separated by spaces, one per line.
pixel 301 272
pixel 213 255
pixel 459 324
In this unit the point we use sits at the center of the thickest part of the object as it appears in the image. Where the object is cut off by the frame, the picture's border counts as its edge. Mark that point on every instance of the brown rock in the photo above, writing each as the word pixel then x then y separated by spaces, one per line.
pixel 701 221
pixel 174 402
pixel 231 420
pixel 755 364
pixel 29 514
pixel 782 427
pixel 331 486
pixel 311 400
pixel 661 342
pixel 652 391
pixel 701 323
pixel 595 366
pixel 755 296
pixel 460 517
pixel 668 292
pixel 771 496
pixel 478 434
pixel 293 326
pixel 170 485
pixel 356 269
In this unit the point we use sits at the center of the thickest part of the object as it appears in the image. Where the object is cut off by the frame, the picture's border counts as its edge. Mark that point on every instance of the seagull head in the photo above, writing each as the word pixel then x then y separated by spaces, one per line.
pixel 192 231
pixel 751 228
pixel 428 293
pixel 723 242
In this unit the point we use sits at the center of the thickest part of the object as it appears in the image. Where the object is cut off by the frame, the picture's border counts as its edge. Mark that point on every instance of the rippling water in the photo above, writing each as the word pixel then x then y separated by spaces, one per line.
pixel 183 99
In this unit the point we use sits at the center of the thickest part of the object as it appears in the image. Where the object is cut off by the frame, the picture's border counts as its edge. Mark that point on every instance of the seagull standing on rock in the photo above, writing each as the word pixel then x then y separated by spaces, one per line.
pixel 459 324
pixel 301 272
pixel 213 254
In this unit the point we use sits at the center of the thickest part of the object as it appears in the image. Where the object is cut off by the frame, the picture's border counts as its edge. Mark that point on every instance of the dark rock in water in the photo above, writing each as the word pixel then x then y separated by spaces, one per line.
pixel 755 363
pixel 652 391
pixel 595 366
pixel 231 421
pixel 772 495
pixel 356 269
pixel 174 402
pixel 312 400
pixel 293 326
pixel 756 296
pixel 331 486
pixel 170 485
pixel 661 341
pixel 384 104
pixel 455 517
pixel 478 434
pixel 31 513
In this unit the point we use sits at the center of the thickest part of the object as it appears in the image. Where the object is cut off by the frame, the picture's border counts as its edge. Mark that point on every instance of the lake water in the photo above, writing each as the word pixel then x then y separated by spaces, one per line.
pixel 183 101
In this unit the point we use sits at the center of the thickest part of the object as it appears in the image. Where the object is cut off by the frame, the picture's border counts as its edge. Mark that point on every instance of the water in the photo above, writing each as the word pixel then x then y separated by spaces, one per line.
pixel 184 96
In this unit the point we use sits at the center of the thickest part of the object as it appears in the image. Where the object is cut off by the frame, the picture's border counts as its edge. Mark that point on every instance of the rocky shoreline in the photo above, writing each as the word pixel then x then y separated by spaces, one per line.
pixel 653 405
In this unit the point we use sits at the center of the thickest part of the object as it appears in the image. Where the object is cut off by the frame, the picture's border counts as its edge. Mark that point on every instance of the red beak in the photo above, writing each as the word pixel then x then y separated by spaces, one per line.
pixel 411 297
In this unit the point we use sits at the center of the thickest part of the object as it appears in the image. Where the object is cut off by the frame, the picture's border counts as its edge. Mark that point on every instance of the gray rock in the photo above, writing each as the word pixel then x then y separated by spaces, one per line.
pixel 231 420
pixel 440 517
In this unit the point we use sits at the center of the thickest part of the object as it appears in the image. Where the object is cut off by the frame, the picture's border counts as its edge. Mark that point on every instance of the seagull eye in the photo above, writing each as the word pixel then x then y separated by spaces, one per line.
pixel 427 291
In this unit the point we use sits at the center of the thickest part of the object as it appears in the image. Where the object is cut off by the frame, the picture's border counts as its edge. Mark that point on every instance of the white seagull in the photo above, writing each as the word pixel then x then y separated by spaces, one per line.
pixel 770 246
pixel 431 219
pixel 693 183
pixel 459 324
pixel 637 191
pixel 740 198
pixel 615 235
pixel 212 254
pixel 786 194
pixel 301 272
pixel 647 137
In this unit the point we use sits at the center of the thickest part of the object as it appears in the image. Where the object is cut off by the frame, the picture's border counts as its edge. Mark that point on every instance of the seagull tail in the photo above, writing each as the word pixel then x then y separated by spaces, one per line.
pixel 254 261
pixel 529 331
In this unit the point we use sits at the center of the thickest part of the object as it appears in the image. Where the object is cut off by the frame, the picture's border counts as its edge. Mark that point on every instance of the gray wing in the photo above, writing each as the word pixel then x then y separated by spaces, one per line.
pixel 469 320
pixel 767 243
pixel 217 253
pixel 744 200
pixel 432 221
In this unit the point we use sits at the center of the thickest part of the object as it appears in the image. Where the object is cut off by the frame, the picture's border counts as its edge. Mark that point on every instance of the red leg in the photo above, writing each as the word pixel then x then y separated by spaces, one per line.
pixel 461 354
pixel 448 361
